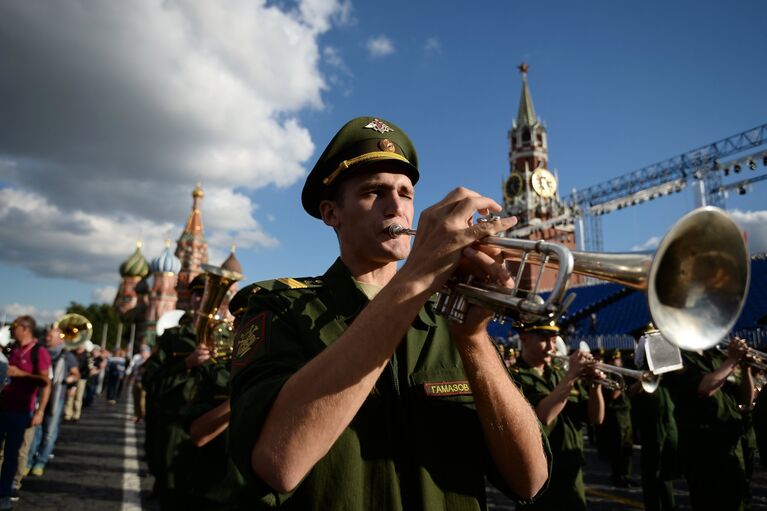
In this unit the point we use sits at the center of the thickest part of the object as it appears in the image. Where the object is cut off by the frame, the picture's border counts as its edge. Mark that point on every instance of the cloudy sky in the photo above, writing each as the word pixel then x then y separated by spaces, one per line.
pixel 112 111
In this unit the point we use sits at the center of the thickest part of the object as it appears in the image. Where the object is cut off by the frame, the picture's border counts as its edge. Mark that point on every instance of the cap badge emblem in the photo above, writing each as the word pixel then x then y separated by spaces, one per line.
pixel 378 126
pixel 386 145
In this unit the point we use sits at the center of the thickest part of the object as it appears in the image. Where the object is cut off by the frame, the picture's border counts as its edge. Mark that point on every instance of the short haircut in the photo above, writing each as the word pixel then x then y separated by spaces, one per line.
pixel 28 321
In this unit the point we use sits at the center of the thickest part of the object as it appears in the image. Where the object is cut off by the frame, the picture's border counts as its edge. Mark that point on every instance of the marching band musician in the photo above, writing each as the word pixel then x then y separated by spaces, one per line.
pixel 562 401
pixel 659 436
pixel 615 436
pixel 169 376
pixel 348 391
pixel 711 426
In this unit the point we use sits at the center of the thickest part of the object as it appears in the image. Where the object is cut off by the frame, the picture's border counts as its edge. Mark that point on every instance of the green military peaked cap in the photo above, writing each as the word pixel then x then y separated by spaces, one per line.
pixel 360 143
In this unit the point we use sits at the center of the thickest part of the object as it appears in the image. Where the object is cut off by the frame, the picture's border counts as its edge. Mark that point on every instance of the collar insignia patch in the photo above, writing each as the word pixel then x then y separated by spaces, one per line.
pixel 378 126
pixel 447 388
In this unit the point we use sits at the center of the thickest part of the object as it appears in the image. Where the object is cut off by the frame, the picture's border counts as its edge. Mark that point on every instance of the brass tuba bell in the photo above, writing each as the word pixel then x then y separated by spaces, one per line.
pixel 74 329
pixel 212 329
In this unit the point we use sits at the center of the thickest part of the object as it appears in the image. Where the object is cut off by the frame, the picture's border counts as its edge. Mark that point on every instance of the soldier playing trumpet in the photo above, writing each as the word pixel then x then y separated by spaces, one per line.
pixel 563 399
pixel 348 392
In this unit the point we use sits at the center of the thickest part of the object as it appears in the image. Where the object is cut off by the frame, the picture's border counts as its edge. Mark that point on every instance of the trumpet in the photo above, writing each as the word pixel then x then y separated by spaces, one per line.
pixel 614 380
pixel 753 357
pixel 695 282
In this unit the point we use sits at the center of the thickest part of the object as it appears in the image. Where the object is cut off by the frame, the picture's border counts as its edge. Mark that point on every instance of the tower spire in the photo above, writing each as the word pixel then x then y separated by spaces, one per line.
pixel 193 225
pixel 526 114
pixel 191 249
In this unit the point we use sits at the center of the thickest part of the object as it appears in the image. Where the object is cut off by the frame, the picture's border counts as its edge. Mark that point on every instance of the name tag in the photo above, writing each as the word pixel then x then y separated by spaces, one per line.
pixel 447 388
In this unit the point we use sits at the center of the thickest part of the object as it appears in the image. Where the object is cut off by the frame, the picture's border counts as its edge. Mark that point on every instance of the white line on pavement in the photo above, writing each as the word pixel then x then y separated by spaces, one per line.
pixel 131 479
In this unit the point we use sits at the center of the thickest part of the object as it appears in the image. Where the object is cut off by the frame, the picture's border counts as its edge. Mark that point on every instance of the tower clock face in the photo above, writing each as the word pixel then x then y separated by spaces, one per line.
pixel 544 183
pixel 514 185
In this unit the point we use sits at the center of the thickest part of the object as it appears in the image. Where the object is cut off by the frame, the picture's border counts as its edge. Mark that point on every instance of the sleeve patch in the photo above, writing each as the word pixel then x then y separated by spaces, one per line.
pixel 249 339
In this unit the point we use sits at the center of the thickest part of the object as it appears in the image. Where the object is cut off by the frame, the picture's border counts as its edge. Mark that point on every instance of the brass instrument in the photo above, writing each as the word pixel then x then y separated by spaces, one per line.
pixel 212 329
pixel 74 329
pixel 614 380
pixel 753 357
pixel 696 281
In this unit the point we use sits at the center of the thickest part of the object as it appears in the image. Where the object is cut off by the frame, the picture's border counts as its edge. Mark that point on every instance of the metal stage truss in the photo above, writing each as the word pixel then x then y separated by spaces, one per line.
pixel 702 169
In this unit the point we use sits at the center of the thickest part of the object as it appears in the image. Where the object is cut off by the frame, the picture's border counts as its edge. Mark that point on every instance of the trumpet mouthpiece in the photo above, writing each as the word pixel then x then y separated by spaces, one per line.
pixel 395 230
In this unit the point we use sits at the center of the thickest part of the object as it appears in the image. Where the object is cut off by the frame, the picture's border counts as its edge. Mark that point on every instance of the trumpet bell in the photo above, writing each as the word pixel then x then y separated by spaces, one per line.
pixel 699 279
pixel 649 381
pixel 74 329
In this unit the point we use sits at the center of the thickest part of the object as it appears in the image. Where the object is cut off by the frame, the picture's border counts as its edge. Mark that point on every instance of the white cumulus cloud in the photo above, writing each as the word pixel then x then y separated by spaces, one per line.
pixel 380 46
pixel 650 244
pixel 113 110
pixel 754 223
pixel 432 45
pixel 105 294
pixel 42 316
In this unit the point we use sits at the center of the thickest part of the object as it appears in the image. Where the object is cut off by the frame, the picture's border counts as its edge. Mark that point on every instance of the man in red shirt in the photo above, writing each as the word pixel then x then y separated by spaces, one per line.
pixel 28 368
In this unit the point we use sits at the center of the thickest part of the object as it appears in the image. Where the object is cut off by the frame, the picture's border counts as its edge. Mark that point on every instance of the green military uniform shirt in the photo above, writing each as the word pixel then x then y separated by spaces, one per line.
pixel 654 417
pixel 170 389
pixel 415 443
pixel 566 490
pixel 710 432
pixel 210 476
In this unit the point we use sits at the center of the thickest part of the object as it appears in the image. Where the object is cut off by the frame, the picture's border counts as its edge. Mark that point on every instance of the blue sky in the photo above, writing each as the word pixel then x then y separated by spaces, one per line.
pixel 619 85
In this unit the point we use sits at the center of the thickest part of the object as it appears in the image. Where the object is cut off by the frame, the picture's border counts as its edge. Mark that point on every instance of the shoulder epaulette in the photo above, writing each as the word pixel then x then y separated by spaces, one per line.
pixel 239 303
pixel 288 283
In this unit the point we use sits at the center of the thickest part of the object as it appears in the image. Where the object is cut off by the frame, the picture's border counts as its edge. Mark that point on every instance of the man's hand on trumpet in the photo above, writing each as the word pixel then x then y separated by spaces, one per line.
pixel 446 239
pixel 737 349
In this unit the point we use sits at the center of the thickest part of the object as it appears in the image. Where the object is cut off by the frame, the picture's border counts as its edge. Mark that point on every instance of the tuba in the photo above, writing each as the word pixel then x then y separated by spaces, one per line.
pixel 74 329
pixel 212 329
pixel 696 281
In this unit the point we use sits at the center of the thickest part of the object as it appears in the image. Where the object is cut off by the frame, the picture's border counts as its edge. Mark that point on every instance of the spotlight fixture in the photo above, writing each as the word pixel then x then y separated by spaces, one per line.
pixel 736 168
pixel 751 164
pixel 727 171
pixel 764 160
pixel 716 164
pixel 741 190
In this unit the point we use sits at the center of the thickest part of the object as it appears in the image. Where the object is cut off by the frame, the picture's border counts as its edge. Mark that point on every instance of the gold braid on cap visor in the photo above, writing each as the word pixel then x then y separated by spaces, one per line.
pixel 376 155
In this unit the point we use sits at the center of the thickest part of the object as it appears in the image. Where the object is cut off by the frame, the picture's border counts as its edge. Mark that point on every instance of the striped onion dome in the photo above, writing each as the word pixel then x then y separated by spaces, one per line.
pixel 166 262
pixel 231 263
pixel 135 265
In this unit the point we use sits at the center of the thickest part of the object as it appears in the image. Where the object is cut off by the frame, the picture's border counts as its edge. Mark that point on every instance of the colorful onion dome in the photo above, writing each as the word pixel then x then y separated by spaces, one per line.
pixel 166 262
pixel 135 265
pixel 231 263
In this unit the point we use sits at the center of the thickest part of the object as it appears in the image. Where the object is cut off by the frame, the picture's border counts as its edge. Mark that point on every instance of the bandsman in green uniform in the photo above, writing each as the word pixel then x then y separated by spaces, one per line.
pixel 563 399
pixel 760 420
pixel 711 426
pixel 348 391
pixel 615 436
pixel 171 379
pixel 659 437
pixel 211 479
